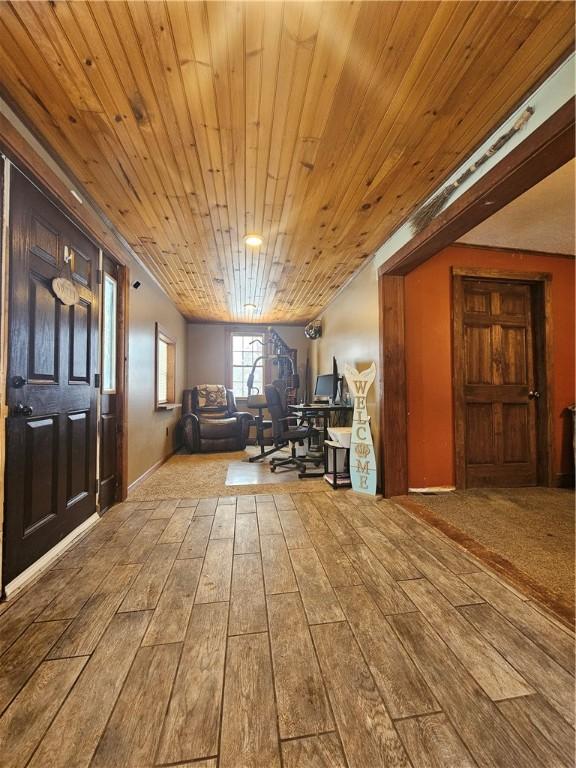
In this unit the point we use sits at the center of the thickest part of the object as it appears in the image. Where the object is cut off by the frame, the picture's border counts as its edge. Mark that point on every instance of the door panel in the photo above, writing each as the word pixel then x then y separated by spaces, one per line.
pixel 478 346
pixel 78 456
pixel 51 427
pixel 107 445
pixel 514 302
pixel 515 433
pixel 82 267
pixel 44 335
pixel 477 301
pixel 514 356
pixel 40 450
pixel 495 346
pixel 480 422
pixel 44 241
pixel 79 342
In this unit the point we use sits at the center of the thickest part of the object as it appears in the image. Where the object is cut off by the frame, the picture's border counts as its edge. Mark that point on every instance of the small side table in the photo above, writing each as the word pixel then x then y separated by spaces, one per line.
pixel 332 476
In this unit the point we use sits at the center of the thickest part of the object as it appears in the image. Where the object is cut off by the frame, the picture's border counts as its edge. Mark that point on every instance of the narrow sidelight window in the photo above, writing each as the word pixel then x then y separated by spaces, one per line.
pixel 165 369
pixel 109 335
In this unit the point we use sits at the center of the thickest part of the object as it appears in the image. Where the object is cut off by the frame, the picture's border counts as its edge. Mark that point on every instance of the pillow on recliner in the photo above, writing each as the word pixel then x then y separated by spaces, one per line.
pixel 212 396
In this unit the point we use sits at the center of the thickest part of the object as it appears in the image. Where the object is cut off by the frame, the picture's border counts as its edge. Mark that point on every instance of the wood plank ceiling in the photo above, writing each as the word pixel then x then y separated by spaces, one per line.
pixel 318 125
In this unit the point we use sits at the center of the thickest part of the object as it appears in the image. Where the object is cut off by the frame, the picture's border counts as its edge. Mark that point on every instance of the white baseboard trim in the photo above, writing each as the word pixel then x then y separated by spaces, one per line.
pixel 434 489
pixel 35 569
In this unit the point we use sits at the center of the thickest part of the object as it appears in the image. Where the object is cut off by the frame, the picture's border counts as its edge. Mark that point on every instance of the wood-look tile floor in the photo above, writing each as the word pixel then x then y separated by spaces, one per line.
pixel 281 632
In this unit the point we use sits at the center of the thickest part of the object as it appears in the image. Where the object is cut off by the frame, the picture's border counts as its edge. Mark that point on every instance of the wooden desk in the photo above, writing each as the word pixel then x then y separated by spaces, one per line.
pixel 307 411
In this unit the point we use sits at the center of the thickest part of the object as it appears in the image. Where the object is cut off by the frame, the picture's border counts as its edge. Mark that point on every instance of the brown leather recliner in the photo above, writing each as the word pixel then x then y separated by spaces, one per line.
pixel 212 428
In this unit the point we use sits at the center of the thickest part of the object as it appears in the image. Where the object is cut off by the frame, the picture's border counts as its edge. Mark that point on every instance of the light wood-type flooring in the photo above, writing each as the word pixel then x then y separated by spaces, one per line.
pixel 313 630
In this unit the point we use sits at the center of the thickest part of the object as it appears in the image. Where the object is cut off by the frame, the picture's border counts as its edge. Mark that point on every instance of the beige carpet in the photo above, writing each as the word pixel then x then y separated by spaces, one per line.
pixel 525 533
pixel 204 475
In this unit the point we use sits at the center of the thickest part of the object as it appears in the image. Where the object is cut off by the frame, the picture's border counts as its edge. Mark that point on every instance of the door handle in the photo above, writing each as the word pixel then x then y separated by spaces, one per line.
pixel 18 382
pixel 22 410
pixel 534 395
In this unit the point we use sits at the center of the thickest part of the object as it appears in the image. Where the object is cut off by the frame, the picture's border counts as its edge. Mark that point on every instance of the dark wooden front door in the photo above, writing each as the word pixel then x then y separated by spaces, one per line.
pixel 51 427
pixel 110 399
pixel 496 397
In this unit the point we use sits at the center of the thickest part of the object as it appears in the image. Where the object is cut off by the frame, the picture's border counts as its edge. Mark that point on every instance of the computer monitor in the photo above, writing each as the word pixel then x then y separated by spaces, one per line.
pixel 324 385
pixel 328 387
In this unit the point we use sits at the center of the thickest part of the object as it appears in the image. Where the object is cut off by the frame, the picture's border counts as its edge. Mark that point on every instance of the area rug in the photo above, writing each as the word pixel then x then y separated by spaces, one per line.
pixel 204 475
pixel 526 534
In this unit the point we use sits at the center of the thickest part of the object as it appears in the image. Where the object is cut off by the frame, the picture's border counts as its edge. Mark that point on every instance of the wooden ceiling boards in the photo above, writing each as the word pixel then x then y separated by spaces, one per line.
pixel 318 125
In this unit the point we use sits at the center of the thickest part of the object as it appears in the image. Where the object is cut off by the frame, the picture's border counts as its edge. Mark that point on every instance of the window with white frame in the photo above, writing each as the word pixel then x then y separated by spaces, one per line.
pixel 246 348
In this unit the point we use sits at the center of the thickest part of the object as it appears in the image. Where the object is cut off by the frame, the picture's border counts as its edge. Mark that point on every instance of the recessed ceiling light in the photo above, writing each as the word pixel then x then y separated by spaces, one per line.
pixel 76 195
pixel 250 306
pixel 253 240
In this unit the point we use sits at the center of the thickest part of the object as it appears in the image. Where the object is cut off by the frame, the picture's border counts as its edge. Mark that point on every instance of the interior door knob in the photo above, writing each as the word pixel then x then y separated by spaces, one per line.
pixel 533 394
pixel 18 382
pixel 22 410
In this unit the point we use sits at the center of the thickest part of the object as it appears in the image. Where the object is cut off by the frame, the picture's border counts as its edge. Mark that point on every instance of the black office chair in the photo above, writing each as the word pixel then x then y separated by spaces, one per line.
pixel 284 434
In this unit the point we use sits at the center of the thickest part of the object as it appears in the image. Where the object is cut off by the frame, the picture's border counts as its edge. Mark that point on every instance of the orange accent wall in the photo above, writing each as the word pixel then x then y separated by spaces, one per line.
pixel 429 355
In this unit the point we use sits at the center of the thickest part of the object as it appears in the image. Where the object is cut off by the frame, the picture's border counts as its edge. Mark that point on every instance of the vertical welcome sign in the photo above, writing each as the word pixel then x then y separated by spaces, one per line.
pixel 362 459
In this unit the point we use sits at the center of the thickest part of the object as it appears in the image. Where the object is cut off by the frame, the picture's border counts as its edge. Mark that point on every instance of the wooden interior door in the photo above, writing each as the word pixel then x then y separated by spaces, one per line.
pixel 111 389
pixel 495 383
pixel 51 426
